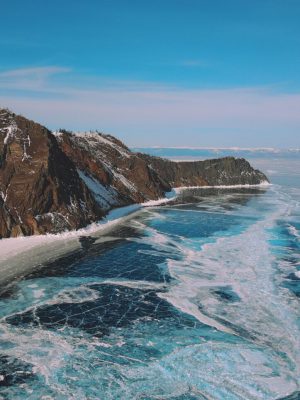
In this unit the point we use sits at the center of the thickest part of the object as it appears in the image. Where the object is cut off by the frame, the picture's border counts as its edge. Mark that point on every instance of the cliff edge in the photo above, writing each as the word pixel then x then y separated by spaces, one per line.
pixel 51 182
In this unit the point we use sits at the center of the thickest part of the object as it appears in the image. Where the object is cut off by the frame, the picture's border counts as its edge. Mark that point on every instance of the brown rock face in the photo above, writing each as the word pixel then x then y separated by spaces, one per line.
pixel 214 172
pixel 109 162
pixel 39 186
pixel 62 181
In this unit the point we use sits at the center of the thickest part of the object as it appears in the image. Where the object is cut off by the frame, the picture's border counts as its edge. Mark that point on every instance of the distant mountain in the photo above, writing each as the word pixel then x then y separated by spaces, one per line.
pixel 51 182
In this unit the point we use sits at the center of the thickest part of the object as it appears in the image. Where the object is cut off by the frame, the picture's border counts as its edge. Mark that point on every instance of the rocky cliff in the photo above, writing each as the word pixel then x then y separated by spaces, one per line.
pixel 40 188
pixel 51 182
pixel 214 172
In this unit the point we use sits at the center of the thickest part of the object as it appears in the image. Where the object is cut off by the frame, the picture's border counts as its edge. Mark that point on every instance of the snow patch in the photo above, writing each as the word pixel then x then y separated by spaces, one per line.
pixel 57 133
pixel 110 143
pixel 124 181
pixel 262 184
pixel 10 130
pixel 4 194
pixel 105 196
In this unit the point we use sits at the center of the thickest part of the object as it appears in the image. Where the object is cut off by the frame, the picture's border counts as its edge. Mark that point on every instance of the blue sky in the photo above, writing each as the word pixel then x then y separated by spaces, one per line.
pixel 168 72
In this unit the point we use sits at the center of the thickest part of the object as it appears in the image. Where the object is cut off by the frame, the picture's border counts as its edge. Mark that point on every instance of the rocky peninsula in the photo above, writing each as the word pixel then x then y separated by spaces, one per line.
pixel 56 181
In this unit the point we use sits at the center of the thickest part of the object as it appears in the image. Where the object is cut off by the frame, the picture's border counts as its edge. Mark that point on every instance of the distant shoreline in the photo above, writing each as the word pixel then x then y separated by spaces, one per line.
pixel 233 148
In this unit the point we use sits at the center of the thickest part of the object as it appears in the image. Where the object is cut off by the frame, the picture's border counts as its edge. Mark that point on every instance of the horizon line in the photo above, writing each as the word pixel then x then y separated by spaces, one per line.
pixel 234 148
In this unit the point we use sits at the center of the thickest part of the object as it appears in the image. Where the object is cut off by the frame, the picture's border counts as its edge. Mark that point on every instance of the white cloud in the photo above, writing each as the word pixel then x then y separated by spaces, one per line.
pixel 33 72
pixel 30 79
pixel 163 115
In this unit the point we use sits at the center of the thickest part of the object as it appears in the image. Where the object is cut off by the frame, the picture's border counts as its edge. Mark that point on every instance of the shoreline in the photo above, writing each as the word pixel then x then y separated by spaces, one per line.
pixel 21 255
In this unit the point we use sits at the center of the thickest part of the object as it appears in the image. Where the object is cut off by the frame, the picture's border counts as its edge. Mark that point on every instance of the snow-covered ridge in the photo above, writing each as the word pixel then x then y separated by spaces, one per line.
pixel 93 138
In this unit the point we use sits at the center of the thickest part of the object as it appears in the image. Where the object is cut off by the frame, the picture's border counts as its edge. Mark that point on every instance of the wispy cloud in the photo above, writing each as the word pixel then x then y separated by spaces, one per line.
pixel 31 79
pixel 143 113
pixel 34 72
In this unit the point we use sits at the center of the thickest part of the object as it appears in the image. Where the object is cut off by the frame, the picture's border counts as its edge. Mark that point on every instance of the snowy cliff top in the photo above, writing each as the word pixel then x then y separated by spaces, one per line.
pixel 97 141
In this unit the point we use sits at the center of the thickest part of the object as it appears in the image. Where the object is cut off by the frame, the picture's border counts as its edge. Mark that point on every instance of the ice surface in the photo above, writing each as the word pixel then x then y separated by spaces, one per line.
pixel 222 326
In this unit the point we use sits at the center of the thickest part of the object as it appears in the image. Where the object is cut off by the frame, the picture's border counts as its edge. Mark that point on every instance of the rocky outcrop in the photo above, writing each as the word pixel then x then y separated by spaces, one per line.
pixel 40 188
pixel 62 181
pixel 214 172
pixel 124 176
